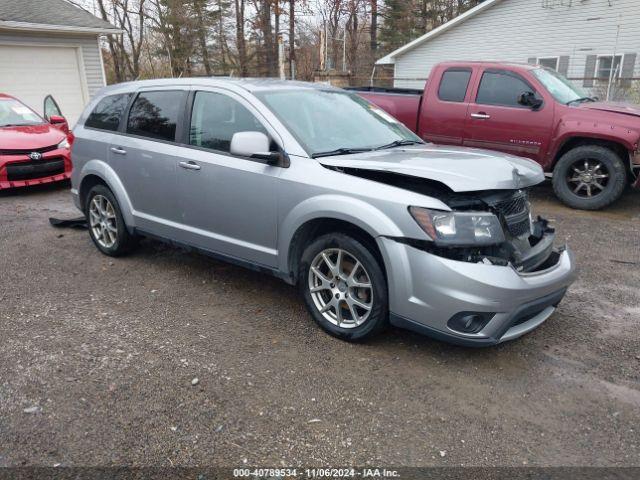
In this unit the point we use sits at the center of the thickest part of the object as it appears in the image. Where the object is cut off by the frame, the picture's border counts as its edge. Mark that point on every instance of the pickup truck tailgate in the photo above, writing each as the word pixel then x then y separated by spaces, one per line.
pixel 403 106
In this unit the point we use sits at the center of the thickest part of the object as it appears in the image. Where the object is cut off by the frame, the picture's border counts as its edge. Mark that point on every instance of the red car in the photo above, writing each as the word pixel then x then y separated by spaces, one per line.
pixel 32 150
pixel 591 148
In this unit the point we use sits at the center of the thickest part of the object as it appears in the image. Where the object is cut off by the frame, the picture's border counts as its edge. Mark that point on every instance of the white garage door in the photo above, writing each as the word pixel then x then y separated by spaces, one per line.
pixel 30 73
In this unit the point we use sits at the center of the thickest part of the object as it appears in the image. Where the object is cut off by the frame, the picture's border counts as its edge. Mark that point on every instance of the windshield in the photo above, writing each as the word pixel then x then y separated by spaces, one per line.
pixel 558 86
pixel 324 121
pixel 14 113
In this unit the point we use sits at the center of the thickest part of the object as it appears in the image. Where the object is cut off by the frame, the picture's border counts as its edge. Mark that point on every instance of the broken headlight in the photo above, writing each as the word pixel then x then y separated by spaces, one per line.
pixel 459 228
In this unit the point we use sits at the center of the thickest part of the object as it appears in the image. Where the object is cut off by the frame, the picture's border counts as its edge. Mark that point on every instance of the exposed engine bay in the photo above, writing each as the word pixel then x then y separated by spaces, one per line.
pixel 528 244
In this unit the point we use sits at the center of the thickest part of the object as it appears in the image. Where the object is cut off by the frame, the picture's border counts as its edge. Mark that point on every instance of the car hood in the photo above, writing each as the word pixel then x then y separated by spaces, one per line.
pixel 30 136
pixel 614 107
pixel 459 168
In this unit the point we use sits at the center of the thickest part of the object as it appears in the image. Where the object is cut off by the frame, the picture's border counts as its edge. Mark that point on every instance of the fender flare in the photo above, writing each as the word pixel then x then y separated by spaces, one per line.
pixel 570 129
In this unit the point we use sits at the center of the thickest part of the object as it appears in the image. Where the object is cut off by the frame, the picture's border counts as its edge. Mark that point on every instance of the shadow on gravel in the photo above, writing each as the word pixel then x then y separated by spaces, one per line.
pixel 36 189
pixel 283 300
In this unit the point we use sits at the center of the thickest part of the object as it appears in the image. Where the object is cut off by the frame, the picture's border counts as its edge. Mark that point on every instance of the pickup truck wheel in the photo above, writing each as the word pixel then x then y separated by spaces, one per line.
pixel 106 225
pixel 589 177
pixel 344 287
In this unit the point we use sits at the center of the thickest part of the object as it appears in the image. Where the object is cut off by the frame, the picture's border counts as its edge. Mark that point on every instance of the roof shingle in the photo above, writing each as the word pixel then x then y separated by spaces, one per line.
pixel 50 12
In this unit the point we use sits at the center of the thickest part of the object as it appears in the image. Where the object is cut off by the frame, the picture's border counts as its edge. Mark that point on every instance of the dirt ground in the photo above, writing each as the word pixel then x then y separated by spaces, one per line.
pixel 98 355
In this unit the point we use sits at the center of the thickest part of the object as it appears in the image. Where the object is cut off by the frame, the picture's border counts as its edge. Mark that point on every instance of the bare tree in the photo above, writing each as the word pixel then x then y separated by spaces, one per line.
pixel 199 8
pixel 292 39
pixel 125 49
pixel 240 40
pixel 374 26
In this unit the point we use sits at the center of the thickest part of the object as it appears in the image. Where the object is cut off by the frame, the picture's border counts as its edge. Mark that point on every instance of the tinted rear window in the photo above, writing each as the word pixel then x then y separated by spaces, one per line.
pixel 156 114
pixel 107 113
pixel 453 86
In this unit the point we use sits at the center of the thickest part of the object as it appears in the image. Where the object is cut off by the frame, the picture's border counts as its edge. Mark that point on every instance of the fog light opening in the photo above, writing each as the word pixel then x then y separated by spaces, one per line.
pixel 469 322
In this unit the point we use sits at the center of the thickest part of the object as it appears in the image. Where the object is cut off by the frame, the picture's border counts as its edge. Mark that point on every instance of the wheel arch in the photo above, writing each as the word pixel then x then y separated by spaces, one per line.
pixel 317 227
pixel 87 184
pixel 329 213
pixel 96 172
pixel 572 142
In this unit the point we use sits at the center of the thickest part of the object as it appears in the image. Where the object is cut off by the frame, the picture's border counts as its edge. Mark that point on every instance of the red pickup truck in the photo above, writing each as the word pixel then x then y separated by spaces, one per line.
pixel 592 148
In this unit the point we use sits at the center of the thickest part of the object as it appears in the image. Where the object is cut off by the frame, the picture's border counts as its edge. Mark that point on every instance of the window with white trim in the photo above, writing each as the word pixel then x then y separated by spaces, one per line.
pixel 549 62
pixel 607 64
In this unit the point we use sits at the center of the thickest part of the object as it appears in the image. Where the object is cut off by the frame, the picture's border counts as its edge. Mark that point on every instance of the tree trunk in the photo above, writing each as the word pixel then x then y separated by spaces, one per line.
pixel 292 43
pixel 374 25
pixel 276 43
pixel 202 34
pixel 240 41
pixel 117 69
pixel 267 33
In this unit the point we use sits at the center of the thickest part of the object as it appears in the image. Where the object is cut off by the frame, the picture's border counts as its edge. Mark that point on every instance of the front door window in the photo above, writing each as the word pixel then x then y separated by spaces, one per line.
pixel 51 108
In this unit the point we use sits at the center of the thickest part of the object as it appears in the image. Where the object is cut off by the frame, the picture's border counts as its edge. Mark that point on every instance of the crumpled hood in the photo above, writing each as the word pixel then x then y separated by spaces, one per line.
pixel 461 169
pixel 614 107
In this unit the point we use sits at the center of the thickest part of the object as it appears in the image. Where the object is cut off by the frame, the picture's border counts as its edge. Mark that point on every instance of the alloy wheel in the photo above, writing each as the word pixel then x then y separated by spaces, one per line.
pixel 102 221
pixel 588 178
pixel 341 288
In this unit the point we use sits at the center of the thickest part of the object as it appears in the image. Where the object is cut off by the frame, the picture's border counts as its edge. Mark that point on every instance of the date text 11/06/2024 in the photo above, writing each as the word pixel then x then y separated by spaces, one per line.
pixel 315 473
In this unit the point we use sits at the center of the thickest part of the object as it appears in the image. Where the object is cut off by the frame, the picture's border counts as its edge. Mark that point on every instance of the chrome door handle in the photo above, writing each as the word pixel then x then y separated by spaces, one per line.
pixel 189 165
pixel 118 150
pixel 480 115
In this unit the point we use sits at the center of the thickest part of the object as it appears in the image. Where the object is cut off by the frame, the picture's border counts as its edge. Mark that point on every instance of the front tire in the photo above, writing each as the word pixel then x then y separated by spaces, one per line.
pixel 106 225
pixel 589 177
pixel 344 287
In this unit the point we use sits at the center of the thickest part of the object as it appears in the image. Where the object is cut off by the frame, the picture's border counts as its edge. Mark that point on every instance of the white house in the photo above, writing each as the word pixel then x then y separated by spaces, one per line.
pixel 51 47
pixel 582 39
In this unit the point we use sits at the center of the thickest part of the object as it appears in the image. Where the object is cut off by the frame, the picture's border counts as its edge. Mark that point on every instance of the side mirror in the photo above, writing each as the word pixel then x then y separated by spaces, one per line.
pixel 529 99
pixel 255 145
pixel 60 122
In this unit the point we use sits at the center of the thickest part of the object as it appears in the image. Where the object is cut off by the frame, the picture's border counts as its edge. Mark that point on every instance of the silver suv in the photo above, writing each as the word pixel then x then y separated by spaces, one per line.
pixel 328 192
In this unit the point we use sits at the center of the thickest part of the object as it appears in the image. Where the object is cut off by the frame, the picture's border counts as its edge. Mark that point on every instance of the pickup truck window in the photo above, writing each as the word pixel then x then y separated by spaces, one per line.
pixel 354 123
pixel 558 86
pixel 453 85
pixel 215 117
pixel 501 88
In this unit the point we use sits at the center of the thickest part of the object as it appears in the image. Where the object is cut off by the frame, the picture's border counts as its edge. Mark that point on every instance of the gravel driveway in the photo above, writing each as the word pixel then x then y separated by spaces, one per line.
pixel 99 358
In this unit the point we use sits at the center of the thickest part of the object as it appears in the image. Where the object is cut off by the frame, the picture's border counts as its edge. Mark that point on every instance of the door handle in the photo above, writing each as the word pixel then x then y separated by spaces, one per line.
pixel 481 115
pixel 189 165
pixel 118 150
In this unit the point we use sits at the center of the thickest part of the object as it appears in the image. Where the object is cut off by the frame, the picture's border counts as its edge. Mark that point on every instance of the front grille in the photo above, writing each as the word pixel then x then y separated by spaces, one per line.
pixel 519 228
pixel 515 211
pixel 27 151
pixel 35 169
pixel 514 205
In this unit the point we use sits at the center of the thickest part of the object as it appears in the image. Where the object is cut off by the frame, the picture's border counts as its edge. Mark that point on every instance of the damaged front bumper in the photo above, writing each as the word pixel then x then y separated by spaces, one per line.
pixel 440 297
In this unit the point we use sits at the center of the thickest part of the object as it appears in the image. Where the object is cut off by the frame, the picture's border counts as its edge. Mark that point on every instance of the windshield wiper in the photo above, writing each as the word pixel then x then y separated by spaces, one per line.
pixel 340 151
pixel 581 99
pixel 399 143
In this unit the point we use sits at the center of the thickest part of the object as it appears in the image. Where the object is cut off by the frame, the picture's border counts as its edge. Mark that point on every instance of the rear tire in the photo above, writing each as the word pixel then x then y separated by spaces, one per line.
pixel 589 177
pixel 106 225
pixel 344 287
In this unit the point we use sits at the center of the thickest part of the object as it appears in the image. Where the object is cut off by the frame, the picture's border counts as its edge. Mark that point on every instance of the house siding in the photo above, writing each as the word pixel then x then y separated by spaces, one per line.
pixel 91 61
pixel 518 30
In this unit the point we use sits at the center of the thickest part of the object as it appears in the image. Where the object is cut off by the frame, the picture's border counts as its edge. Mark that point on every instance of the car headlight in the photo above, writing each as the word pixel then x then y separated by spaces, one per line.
pixel 64 143
pixel 459 228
